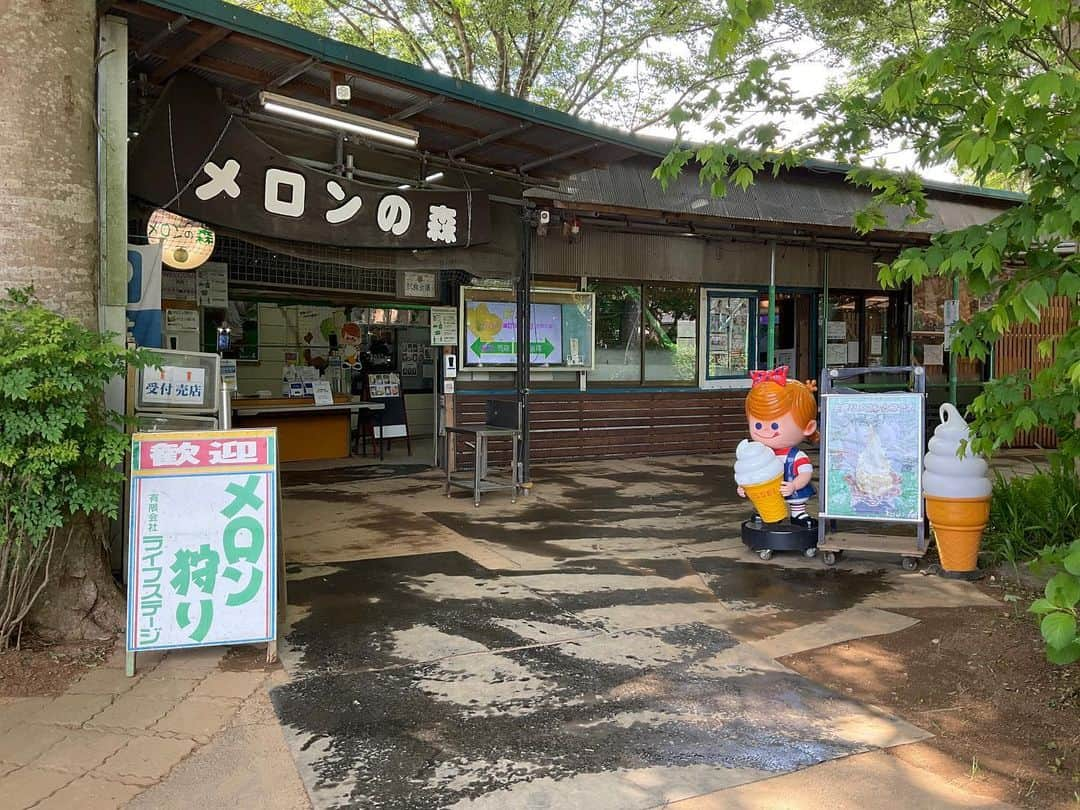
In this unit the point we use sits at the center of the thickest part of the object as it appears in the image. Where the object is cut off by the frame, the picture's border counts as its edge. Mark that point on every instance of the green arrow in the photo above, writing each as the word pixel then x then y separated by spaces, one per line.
pixel 544 347
pixel 479 347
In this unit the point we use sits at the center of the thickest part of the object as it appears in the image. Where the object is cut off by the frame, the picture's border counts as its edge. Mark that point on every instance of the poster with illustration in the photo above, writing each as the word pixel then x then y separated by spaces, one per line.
pixel 872 456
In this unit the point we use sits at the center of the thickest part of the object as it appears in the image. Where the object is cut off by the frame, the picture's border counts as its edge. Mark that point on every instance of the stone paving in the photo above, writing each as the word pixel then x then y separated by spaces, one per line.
pixel 109 738
pixel 605 643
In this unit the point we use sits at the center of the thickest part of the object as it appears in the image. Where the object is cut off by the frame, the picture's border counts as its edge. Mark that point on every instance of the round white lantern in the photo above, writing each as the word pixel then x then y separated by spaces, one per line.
pixel 185 243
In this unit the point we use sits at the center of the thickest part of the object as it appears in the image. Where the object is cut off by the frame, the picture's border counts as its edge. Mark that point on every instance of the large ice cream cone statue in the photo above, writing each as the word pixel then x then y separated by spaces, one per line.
pixel 957 491
pixel 759 472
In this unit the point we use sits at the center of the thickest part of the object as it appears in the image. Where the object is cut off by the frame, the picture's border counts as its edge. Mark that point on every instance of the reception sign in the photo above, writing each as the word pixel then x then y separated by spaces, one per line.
pixel 872 456
pixel 202 550
pixel 197 159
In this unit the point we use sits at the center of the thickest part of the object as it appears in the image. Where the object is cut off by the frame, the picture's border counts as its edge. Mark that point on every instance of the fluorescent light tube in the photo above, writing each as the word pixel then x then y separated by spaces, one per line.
pixel 336 119
pixel 431 178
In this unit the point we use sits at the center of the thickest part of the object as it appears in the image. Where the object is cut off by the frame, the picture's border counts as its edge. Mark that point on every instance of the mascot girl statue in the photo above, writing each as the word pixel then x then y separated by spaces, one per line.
pixel 781 414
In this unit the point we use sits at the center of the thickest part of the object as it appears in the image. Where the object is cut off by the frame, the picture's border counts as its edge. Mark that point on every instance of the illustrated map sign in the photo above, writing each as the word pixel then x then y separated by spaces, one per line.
pixel 197 159
pixel 491 333
pixel 202 541
pixel 872 456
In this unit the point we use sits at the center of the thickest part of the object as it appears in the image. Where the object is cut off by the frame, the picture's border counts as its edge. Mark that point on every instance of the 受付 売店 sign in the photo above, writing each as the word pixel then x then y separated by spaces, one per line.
pixel 202 547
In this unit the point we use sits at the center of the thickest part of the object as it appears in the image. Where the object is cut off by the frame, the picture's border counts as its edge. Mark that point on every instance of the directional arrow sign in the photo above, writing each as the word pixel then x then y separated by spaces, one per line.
pixel 479 347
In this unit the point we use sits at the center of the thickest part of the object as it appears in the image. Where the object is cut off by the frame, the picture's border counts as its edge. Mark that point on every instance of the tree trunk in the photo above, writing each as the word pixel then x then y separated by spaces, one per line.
pixel 49 236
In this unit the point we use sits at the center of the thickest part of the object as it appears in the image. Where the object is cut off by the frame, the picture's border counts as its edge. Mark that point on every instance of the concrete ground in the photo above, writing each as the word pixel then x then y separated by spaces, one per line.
pixel 606 642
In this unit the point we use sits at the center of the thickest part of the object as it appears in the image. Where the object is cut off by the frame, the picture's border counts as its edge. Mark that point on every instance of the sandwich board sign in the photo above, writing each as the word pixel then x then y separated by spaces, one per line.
pixel 203 540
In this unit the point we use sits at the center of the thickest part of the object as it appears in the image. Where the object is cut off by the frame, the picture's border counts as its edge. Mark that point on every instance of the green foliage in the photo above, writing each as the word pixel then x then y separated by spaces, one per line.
pixel 60 448
pixel 1031 513
pixel 1058 609
pixel 991 89
pixel 624 62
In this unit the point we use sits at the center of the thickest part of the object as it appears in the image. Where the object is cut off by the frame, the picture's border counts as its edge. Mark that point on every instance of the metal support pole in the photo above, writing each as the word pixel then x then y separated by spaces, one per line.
pixel 824 325
pixel 524 331
pixel 772 305
pixel 952 354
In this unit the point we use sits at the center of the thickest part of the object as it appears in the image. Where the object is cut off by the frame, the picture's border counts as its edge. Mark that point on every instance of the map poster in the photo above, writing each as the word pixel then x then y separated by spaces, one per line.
pixel 202 544
pixel 872 456
pixel 491 333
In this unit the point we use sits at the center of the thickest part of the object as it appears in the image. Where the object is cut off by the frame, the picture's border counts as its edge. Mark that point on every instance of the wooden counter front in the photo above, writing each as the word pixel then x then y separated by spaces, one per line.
pixel 305 431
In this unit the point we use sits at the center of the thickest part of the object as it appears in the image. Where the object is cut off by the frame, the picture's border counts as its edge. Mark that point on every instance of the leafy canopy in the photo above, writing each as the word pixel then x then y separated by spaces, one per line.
pixel 60 448
pixel 626 62
pixel 989 87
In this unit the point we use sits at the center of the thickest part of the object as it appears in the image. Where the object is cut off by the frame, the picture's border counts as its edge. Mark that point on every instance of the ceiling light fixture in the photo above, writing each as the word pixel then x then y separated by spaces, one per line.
pixel 432 178
pixel 336 119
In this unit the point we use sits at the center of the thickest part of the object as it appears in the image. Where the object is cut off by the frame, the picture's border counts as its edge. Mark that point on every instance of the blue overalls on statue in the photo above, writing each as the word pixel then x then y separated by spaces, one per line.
pixel 789 475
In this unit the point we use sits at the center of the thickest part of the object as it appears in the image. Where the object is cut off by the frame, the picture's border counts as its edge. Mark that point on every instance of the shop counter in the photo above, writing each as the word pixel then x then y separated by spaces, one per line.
pixel 306 431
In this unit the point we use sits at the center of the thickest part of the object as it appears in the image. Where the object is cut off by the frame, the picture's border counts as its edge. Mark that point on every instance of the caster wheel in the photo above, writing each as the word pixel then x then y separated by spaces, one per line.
pixel 811 552
pixel 830 557
pixel 909 563
pixel 765 554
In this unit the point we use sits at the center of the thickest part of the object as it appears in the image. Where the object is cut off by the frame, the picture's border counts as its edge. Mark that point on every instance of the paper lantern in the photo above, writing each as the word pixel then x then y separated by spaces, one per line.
pixel 185 243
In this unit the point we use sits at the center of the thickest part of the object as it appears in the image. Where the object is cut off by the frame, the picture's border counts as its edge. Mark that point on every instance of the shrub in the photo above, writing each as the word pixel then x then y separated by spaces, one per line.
pixel 1058 609
pixel 1031 513
pixel 60 448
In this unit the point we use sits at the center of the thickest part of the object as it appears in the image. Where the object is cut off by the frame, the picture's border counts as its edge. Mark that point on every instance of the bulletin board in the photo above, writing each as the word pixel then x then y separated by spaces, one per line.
pixel 386 388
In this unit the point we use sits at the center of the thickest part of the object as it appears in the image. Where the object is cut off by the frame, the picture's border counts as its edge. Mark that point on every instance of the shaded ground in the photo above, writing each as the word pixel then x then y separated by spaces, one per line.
pixel 39 668
pixel 1006 722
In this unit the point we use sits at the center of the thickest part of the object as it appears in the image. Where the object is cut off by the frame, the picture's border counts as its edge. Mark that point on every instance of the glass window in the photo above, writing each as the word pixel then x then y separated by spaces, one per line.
pixel 618 332
pixel 881 338
pixel 670 329
pixel 728 338
pixel 842 347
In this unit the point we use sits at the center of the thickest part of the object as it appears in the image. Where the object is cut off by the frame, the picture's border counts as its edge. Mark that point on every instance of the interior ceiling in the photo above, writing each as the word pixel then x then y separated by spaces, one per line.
pixel 162 43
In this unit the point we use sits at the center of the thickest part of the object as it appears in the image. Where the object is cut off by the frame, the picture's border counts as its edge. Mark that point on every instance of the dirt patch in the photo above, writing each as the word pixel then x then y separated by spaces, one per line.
pixel 42 669
pixel 1006 721
pixel 247 658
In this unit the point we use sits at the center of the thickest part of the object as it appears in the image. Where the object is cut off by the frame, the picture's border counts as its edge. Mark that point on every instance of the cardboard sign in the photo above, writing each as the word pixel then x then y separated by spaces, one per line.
pixel 202 541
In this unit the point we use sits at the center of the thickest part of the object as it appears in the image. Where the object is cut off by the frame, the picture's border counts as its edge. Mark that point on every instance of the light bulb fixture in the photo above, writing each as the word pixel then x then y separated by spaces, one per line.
pixel 339 120
pixel 433 178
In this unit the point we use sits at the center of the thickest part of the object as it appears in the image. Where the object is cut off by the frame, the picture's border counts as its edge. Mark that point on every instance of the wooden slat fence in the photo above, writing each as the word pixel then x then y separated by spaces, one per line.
pixel 1019 350
pixel 568 427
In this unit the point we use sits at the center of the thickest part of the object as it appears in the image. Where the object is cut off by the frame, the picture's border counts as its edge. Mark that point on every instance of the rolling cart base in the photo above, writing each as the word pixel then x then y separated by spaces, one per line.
pixel 765 538
pixel 835 544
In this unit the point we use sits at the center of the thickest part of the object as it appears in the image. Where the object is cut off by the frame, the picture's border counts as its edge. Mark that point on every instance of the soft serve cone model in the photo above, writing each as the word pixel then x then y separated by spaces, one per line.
pixel 759 472
pixel 957 491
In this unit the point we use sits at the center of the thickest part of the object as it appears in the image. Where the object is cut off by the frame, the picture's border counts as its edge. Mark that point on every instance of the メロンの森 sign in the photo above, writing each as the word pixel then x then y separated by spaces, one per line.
pixel 202 546
pixel 197 159
pixel 872 456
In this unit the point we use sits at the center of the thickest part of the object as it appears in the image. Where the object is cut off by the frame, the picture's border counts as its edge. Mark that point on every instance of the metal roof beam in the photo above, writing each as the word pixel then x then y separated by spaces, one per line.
pixel 293 72
pixel 170 28
pixel 418 107
pixel 491 137
pixel 185 55
pixel 566 153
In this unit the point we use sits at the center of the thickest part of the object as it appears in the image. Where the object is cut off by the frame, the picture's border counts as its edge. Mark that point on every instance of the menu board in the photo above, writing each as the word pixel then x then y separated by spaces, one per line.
pixel 560 329
pixel 872 456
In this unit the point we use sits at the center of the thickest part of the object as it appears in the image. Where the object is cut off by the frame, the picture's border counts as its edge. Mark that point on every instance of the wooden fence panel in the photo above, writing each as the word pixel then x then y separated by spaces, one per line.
pixel 1019 350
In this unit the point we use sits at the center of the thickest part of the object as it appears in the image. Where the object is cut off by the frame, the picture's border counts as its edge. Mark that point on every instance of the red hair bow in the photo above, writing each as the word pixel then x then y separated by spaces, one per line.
pixel 777 375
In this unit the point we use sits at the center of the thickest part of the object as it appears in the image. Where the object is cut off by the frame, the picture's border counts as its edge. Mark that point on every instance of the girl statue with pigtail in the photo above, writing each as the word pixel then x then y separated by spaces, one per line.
pixel 781 414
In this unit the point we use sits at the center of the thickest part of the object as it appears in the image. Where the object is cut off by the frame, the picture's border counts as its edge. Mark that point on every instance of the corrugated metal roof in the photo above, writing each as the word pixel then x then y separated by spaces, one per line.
pixel 797 197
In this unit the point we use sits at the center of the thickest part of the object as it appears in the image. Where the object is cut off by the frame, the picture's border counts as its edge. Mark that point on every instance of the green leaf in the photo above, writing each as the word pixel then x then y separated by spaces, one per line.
pixel 1041 606
pixel 1065 656
pixel 1063 590
pixel 1058 629
pixel 742 177
pixel 1072 563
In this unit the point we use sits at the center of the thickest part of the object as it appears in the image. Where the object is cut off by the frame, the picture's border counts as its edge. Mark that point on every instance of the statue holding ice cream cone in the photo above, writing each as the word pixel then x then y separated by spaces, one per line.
pixel 771 470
